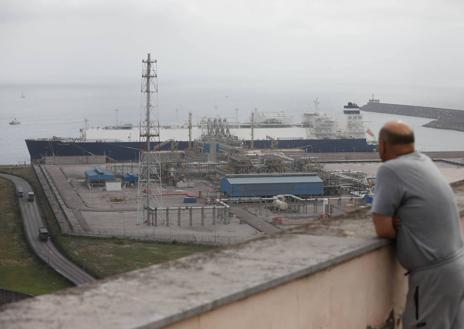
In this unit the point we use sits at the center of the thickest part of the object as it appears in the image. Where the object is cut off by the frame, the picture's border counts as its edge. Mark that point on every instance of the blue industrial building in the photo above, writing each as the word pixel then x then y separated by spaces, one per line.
pixel 130 178
pixel 271 185
pixel 98 175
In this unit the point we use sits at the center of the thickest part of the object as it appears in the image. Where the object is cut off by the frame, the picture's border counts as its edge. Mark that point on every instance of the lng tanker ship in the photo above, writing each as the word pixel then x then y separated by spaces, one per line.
pixel 316 133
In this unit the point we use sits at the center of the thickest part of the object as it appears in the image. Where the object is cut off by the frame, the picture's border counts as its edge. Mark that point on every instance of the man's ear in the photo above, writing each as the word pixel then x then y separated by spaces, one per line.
pixel 382 148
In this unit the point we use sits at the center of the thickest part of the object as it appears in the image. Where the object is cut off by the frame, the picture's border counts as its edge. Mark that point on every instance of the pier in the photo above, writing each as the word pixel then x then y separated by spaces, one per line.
pixel 442 118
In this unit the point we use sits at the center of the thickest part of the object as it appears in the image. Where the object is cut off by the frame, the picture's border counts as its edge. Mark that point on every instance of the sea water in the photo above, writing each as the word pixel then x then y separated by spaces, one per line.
pixel 60 110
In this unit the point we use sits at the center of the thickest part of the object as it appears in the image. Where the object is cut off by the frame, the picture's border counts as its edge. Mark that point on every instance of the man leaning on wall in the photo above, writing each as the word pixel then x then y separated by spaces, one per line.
pixel 414 204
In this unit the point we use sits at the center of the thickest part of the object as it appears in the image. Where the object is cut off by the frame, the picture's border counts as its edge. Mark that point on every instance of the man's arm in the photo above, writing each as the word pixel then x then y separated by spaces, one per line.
pixel 384 226
pixel 387 198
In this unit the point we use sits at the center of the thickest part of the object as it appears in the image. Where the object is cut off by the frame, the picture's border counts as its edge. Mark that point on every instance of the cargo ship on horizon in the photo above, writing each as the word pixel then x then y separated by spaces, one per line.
pixel 317 133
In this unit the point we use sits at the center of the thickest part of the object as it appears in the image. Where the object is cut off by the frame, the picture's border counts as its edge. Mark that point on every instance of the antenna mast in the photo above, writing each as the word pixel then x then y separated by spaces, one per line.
pixel 190 131
pixel 149 184
pixel 150 77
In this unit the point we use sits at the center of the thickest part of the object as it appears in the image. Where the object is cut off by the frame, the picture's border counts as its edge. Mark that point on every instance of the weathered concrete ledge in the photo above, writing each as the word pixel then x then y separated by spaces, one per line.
pixel 164 294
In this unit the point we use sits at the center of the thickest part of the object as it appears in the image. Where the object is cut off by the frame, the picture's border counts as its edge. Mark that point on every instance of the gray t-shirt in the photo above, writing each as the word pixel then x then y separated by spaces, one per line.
pixel 412 188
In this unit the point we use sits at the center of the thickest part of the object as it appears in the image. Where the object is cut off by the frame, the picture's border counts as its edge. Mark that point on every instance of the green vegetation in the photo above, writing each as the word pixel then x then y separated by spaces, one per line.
pixel 102 257
pixel 105 257
pixel 28 174
pixel 20 269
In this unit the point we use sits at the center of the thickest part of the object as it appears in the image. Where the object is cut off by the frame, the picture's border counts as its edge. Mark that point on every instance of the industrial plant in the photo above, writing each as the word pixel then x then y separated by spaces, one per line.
pixel 213 187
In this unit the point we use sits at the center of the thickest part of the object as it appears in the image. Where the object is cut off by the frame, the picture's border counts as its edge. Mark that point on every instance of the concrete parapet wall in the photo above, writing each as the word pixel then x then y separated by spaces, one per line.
pixel 369 290
pixel 289 281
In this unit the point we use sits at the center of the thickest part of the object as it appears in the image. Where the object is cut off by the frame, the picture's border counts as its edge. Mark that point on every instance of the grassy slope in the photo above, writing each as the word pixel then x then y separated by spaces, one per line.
pixel 20 270
pixel 104 257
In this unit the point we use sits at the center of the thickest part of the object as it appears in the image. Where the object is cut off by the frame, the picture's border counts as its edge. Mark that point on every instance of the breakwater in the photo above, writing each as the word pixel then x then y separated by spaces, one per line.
pixel 441 118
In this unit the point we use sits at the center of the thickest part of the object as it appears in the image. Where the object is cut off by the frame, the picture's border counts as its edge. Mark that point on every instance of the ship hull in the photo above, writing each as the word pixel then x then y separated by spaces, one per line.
pixel 129 151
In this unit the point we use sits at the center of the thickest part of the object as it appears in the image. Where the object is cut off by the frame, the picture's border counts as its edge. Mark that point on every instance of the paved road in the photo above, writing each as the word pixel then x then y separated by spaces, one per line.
pixel 45 250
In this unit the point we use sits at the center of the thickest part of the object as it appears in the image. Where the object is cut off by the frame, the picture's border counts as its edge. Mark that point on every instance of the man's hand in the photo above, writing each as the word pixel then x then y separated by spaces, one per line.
pixel 385 225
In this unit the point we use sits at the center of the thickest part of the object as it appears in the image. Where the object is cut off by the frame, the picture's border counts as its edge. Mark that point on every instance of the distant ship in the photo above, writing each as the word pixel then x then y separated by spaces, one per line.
pixel 317 133
pixel 321 126
pixel 14 122
pixel 264 131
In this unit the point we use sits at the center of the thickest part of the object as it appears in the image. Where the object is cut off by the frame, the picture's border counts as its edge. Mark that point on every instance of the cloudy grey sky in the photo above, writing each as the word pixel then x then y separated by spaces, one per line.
pixel 269 44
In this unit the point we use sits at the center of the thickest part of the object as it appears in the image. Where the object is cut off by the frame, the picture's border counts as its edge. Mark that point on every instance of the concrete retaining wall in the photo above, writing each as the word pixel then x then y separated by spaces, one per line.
pixel 369 290
pixel 289 281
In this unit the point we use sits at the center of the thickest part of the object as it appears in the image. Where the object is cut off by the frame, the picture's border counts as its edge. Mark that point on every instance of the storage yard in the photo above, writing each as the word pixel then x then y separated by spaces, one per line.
pixel 237 197
pixel 99 212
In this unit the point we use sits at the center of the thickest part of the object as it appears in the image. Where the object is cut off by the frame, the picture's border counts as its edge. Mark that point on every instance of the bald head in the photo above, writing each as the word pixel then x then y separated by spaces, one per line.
pixel 395 138
pixel 397 133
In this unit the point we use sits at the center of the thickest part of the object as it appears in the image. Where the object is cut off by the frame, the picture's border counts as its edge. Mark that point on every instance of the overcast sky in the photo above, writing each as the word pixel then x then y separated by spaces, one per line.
pixel 268 43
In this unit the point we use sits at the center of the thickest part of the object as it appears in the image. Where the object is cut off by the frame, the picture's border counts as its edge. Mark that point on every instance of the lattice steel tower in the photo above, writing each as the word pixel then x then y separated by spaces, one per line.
pixel 149 184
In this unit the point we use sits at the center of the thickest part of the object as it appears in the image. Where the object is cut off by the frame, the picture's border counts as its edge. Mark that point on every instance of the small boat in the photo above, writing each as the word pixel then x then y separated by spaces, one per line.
pixel 14 122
